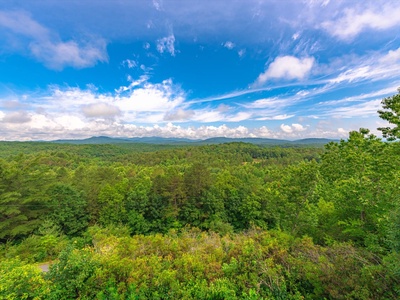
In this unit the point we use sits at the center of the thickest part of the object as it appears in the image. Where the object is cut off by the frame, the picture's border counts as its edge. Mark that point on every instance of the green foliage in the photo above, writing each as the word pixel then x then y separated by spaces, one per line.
pixel 19 280
pixel 256 264
pixel 72 276
pixel 391 113
pixel 22 197
pixel 67 209
pixel 112 209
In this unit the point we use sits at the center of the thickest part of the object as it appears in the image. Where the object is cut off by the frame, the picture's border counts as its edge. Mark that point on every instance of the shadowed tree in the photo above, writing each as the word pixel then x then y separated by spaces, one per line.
pixel 68 209
pixel 21 200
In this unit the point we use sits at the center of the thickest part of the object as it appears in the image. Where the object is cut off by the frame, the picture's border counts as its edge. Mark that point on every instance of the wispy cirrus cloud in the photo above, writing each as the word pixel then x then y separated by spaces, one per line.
pixel 274 117
pixel 354 20
pixel 364 109
pixel 361 97
pixel 46 46
pixel 373 66
pixel 273 102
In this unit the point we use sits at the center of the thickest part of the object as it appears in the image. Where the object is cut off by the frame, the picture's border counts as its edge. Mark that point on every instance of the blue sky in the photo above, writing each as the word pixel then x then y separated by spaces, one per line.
pixel 195 69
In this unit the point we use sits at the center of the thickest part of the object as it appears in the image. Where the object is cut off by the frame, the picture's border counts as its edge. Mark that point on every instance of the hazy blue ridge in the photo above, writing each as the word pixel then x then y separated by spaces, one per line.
pixel 181 141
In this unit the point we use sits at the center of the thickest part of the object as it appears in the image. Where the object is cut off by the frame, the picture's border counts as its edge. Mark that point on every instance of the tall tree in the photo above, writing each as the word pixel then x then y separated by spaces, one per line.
pixel 21 201
pixel 391 113
pixel 68 209
pixel 111 200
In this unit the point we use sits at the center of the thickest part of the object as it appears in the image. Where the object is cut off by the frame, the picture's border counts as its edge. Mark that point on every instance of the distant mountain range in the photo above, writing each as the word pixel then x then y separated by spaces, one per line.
pixel 183 141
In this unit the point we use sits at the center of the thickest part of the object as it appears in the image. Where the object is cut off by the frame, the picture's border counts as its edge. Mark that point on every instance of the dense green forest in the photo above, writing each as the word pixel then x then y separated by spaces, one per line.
pixel 228 221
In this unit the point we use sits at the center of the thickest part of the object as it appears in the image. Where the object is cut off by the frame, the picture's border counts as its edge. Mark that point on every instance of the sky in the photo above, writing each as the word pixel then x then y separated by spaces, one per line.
pixel 194 69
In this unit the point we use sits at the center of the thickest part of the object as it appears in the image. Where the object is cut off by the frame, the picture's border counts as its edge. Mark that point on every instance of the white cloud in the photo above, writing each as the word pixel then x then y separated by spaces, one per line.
pixel 57 55
pixel 353 74
pixel 222 114
pixel 141 102
pixel 358 98
pixel 223 108
pixel 286 128
pixel 365 109
pixel 303 93
pixel 157 5
pixel 316 2
pixel 166 44
pixel 240 116
pixel 56 125
pixel 287 67
pixel 393 56
pixel 220 131
pixel 229 45
pixel 241 52
pixel 12 104
pixel 146 46
pixel 160 97
pixel 274 108
pixel 70 123
pixel 292 129
pixel 48 48
pixel 298 127
pixel 16 117
pixel 133 83
pixel 266 103
pixel 21 23
pixel 42 127
pixel 70 100
pixel 178 115
pixel 375 66
pixel 277 117
pixel 130 63
pixel 262 132
pixel 146 104
pixel 208 116
pixel 354 21
pixel 100 110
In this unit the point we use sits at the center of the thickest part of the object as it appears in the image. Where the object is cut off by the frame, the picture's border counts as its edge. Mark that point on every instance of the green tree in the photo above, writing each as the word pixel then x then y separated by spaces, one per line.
pixel 290 195
pixel 197 179
pixel 171 187
pixel 113 210
pixel 20 205
pixel 391 113
pixel 68 209
pixel 73 275
pixel 357 182
pixel 138 205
